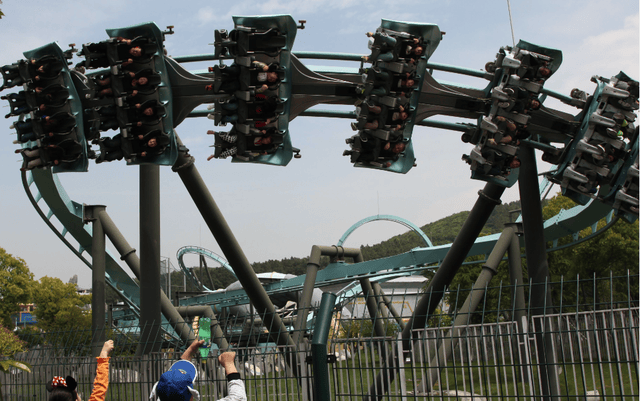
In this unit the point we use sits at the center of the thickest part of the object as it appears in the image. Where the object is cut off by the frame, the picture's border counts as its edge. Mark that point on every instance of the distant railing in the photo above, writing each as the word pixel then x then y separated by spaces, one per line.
pixel 594 340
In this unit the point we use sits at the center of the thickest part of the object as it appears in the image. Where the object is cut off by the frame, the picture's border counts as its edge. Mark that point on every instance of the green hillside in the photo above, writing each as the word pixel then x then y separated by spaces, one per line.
pixel 615 252
pixel 440 232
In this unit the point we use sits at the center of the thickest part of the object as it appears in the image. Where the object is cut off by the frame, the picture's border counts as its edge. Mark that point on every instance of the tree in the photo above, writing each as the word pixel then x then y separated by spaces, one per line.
pixel 10 344
pixel 16 283
pixel 59 306
pixel 612 253
pixel 615 250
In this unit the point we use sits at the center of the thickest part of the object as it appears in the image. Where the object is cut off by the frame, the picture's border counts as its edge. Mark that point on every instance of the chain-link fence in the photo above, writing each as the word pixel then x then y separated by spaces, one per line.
pixel 592 337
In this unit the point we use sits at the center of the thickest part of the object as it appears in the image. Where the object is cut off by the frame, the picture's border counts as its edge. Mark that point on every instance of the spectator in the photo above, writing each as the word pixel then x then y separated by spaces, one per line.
pixel 61 389
pixel 176 384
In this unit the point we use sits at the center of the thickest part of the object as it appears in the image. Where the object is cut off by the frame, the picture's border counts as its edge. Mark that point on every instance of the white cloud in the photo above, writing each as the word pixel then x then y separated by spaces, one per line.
pixel 605 54
pixel 206 15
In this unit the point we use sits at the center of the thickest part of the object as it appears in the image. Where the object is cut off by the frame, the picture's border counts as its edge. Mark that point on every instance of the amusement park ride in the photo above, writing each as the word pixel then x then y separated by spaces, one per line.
pixel 124 100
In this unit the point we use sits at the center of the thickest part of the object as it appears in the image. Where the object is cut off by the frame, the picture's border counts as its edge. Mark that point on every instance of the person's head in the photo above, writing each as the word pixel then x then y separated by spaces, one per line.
pixel 63 389
pixel 544 72
pixel 535 104
pixel 135 51
pixel 515 163
pixel 148 111
pixel 418 50
pixel 272 76
pixel 398 147
pixel 143 81
pixel 176 384
pixel 153 142
pixel 404 115
pixel 266 140
pixel 62 395
pixel 409 83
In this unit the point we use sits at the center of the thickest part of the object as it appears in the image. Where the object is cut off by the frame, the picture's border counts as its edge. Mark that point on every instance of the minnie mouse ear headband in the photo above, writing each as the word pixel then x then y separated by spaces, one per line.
pixel 69 384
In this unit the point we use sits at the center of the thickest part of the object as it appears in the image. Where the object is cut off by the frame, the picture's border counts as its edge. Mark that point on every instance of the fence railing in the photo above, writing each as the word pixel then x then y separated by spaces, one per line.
pixel 597 355
pixel 594 342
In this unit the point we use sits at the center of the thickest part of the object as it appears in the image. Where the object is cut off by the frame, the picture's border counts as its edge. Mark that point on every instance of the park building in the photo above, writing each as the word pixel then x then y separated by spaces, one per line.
pixel 25 316
pixel 404 293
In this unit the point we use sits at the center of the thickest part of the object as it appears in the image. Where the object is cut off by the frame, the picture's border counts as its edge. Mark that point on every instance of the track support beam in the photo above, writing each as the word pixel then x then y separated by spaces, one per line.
pixel 98 269
pixel 229 245
pixel 538 267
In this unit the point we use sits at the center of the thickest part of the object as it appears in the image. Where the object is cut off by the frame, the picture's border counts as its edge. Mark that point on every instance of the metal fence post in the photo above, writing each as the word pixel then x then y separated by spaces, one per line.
pixel 321 389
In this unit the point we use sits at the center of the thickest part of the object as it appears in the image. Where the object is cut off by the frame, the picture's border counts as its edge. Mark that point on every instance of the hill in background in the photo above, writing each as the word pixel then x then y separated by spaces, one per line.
pixel 440 232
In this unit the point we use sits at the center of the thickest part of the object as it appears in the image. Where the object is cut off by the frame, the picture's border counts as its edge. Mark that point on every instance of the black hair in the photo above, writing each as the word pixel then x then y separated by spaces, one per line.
pixel 62 394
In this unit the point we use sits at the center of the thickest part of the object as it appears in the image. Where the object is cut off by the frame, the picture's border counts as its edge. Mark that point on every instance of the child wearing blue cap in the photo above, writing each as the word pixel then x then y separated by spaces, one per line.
pixel 176 384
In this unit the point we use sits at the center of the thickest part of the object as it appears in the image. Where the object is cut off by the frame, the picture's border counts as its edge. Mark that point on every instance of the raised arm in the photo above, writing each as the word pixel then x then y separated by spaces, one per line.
pixel 235 385
pixel 101 382
pixel 192 350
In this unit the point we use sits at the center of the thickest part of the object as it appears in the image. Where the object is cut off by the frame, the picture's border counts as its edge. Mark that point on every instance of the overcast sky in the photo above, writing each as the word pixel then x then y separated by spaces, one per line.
pixel 277 212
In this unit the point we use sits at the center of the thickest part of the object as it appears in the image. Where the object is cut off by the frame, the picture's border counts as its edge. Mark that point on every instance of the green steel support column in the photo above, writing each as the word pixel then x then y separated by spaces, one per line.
pixel 488 198
pixel 382 307
pixel 218 226
pixel 463 317
pixel 537 265
pixel 383 381
pixel 217 336
pixel 110 316
pixel 387 301
pixel 98 267
pixel 519 305
pixel 310 279
pixel 372 306
pixel 515 277
pixel 307 291
pixel 321 389
pixel 150 318
pixel 128 254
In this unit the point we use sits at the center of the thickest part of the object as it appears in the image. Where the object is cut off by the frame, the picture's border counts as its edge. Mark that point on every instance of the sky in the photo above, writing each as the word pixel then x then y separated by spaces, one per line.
pixel 279 212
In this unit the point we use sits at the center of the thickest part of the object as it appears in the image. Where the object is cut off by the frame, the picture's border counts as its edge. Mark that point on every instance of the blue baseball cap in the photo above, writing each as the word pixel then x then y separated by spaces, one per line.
pixel 177 383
